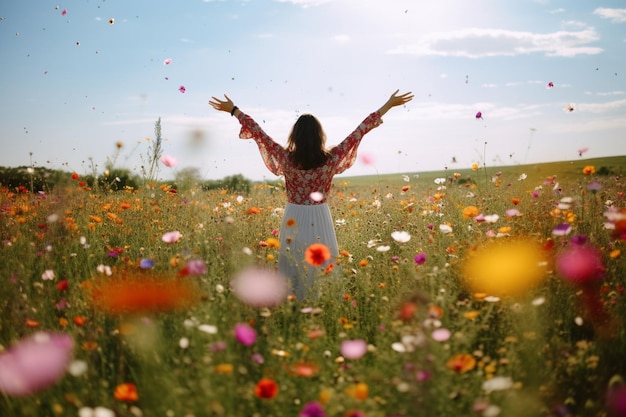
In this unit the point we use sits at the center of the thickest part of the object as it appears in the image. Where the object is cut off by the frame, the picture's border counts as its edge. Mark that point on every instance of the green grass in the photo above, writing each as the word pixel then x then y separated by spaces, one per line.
pixel 544 339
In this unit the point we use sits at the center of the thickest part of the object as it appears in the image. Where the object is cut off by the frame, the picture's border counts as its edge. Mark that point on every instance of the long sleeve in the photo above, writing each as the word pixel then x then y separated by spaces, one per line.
pixel 274 155
pixel 345 153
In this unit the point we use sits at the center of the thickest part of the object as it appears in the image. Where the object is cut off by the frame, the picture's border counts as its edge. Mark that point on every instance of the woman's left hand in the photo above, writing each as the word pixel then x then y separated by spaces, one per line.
pixel 222 105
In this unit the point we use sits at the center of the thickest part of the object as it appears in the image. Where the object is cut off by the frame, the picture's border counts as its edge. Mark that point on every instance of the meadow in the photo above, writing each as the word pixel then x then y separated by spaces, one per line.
pixel 486 292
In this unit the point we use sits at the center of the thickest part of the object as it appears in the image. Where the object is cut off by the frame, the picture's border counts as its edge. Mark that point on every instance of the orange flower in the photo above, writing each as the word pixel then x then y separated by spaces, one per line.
pixel 359 391
pixel 363 262
pixel 406 188
pixel 224 368
pixel 133 292
pixel 407 311
pixel 266 388
pixel 290 222
pixel 329 268
pixel 317 254
pixel 589 169
pixel 32 323
pixel 254 210
pixel 80 320
pixel 126 392
pixel 272 242
pixel 470 212
pixel 461 363
pixel 515 201
pixel 304 369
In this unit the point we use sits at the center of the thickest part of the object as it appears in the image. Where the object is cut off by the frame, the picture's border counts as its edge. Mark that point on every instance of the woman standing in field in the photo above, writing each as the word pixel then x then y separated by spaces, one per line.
pixel 308 167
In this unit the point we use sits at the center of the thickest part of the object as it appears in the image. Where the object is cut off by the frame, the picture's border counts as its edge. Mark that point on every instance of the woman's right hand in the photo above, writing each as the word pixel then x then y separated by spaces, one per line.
pixel 396 100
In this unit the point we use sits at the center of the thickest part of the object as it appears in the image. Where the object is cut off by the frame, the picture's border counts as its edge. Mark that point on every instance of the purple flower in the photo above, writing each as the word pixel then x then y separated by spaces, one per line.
pixel 218 346
pixel 562 229
pixel 146 263
pixel 312 409
pixel 196 267
pixel 420 258
pixel 594 186
pixel 245 334
pixel 34 363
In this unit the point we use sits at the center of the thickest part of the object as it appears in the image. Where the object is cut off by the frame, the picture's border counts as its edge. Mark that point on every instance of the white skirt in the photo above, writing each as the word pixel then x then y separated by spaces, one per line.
pixel 303 225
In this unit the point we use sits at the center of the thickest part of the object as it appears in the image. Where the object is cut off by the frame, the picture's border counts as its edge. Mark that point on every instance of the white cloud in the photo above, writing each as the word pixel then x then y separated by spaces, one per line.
pixel 614 15
pixel 480 43
pixel 306 3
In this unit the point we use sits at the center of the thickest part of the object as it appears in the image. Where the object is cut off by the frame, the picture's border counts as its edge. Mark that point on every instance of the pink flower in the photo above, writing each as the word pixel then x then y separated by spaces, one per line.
pixel 167 61
pixel 64 12
pixel 312 409
pixel 182 89
pixel 34 363
pixel 353 349
pixel 580 264
pixel 169 161
pixel 260 287
pixel 172 237
pixel 245 334
pixel 550 85
pixel 368 159
pixel 479 115
pixel 441 334
pixel 420 258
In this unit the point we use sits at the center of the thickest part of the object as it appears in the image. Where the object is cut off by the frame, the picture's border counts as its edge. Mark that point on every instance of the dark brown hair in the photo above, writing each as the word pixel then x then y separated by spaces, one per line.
pixel 307 143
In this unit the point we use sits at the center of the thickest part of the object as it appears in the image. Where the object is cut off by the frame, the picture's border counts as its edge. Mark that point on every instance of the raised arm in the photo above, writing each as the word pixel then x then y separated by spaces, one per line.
pixel 224 105
pixel 395 100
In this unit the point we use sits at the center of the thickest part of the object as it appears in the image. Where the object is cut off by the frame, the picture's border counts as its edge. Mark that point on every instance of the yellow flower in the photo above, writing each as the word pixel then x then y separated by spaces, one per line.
pixel 359 391
pixel 223 368
pixel 470 212
pixel 272 242
pixel 474 166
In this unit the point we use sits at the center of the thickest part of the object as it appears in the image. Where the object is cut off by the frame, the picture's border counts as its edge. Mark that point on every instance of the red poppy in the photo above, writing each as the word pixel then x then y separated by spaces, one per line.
pixel 266 388
pixel 317 254
pixel 126 392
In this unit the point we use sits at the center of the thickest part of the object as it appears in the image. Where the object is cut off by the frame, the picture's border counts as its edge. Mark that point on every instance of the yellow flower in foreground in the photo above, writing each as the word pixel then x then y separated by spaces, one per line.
pixel 505 267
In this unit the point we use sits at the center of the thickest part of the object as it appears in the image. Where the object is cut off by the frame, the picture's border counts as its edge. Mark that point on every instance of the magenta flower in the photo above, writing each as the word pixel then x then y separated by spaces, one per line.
pixel 353 349
pixel 580 264
pixel 312 409
pixel 550 85
pixel 479 115
pixel 35 363
pixel 167 61
pixel 182 89
pixel 245 334
pixel 562 229
pixel 420 258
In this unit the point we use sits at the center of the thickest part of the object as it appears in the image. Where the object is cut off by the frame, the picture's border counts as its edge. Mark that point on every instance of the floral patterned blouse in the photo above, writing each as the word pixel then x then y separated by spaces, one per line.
pixel 300 183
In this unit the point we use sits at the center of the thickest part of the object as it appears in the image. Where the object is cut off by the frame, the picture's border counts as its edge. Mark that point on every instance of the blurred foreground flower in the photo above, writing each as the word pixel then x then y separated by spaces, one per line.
pixel 353 349
pixel 143 292
pixel 245 334
pixel 34 363
pixel 505 267
pixel 126 392
pixel 266 388
pixel 260 287
pixel 312 409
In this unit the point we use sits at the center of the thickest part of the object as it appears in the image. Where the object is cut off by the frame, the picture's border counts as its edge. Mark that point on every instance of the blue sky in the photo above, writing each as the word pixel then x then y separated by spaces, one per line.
pixel 76 83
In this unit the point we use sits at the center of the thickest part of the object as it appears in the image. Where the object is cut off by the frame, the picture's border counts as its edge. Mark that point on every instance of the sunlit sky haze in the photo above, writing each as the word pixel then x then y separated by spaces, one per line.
pixel 547 76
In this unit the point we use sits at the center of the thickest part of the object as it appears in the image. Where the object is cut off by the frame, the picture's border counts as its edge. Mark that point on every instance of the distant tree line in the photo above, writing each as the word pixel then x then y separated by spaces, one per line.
pixel 34 179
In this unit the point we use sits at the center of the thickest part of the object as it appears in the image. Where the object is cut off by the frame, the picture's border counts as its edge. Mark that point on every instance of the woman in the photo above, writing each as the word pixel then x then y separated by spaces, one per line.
pixel 308 168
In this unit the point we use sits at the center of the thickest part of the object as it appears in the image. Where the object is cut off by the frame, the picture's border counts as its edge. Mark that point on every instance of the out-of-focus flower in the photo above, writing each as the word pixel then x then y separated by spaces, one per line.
pixel 245 334
pixel 266 388
pixel 169 161
pixel 146 263
pixel 505 267
pixel 353 349
pixel 420 258
pixel 360 390
pixel 260 287
pixel 316 254
pixel 470 212
pixel 172 237
pixel 441 334
pixel 194 267
pixel 616 397
pixel 562 229
pixel 498 383
pixel 461 363
pixel 142 292
pixel 312 409
pixel 95 412
pixel 401 236
pixel 589 170
pixel 126 392
pixel 580 264
pixel 34 363
pixel 316 196
pixel 48 275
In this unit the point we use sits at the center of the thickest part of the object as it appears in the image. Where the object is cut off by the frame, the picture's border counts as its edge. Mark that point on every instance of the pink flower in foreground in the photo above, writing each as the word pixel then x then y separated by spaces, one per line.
pixel 169 161
pixel 353 349
pixel 260 287
pixel 245 334
pixel 34 363
pixel 172 237
pixel 368 159
pixel 580 264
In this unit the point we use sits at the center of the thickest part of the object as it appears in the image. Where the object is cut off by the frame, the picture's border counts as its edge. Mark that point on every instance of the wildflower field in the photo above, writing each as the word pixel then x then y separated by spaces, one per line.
pixel 481 292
